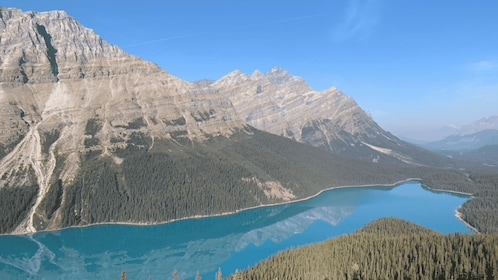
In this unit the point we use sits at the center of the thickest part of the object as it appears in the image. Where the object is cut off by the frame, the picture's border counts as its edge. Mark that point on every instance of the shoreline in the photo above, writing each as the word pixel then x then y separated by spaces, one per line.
pixel 459 216
pixel 196 217
pixel 448 191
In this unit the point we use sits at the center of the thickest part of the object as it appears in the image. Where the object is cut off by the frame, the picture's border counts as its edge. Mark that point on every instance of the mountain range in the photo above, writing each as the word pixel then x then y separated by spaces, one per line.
pixel 91 134
pixel 474 142
pixel 465 142
pixel 487 123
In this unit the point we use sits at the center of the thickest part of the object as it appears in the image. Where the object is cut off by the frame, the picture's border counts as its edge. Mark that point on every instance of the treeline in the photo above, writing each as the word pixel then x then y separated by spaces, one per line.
pixel 154 188
pixel 170 181
pixel 386 249
pixel 163 180
pixel 481 211
pixel 308 170
pixel 16 201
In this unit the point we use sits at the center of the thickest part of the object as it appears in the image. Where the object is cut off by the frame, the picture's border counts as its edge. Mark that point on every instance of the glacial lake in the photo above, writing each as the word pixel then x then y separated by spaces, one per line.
pixel 229 242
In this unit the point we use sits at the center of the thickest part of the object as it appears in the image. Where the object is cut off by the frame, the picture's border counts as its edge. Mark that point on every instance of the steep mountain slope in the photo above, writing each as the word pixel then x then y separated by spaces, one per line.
pixel 66 93
pixel 285 105
pixel 91 135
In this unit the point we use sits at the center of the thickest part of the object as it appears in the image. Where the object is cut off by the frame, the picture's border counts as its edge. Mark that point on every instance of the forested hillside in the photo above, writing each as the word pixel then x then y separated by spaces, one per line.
pixel 482 211
pixel 149 182
pixel 387 249
pixel 168 180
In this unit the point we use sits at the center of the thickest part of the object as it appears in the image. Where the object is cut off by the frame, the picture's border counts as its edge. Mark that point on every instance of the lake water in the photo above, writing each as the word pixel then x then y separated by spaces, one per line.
pixel 230 242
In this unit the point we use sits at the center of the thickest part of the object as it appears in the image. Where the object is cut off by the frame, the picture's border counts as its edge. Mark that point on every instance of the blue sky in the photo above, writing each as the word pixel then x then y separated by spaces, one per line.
pixel 415 65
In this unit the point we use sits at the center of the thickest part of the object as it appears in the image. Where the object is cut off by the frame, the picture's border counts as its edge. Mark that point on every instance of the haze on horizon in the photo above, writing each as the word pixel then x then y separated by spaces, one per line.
pixel 415 66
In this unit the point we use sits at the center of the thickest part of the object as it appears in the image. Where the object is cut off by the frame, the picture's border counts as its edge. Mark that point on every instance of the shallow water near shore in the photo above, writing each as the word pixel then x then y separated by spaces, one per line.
pixel 227 242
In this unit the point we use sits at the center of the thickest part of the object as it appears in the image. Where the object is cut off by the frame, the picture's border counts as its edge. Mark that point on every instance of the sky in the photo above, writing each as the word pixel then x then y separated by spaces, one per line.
pixel 416 67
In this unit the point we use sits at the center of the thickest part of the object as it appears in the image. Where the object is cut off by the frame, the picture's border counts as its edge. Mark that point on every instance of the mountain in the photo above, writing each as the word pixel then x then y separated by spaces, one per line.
pixel 479 147
pixel 465 142
pixel 282 104
pixel 474 142
pixel 489 123
pixel 92 135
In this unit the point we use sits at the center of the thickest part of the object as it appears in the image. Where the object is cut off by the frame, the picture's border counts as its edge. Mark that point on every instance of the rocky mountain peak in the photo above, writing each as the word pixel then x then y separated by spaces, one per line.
pixel 280 77
pixel 46 47
pixel 233 79
pixel 6 14
pixel 78 79
pixel 257 75
pixel 66 91
pixel 487 123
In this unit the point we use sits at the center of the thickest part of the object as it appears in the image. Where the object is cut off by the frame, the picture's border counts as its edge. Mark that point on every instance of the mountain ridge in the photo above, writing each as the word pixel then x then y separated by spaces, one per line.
pixel 465 142
pixel 285 105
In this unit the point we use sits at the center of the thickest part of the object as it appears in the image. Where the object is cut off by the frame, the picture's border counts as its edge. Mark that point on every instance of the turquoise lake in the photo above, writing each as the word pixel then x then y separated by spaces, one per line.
pixel 228 242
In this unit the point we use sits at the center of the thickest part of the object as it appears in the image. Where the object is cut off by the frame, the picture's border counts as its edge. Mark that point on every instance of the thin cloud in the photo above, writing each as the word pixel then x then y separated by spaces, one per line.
pixel 302 18
pixel 361 18
pixel 235 28
pixel 155 41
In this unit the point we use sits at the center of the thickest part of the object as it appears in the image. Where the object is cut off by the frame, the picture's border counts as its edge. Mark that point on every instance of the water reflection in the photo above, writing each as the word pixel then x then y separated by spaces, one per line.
pixel 202 245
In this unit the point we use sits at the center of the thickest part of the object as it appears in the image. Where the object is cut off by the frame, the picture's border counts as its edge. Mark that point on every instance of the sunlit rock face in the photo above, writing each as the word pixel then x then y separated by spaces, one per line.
pixel 57 75
pixel 55 71
pixel 64 92
pixel 282 104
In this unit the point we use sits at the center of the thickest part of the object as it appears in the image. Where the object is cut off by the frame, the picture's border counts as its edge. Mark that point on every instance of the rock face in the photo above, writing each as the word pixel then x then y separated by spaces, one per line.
pixel 64 91
pixel 75 109
pixel 58 77
pixel 285 105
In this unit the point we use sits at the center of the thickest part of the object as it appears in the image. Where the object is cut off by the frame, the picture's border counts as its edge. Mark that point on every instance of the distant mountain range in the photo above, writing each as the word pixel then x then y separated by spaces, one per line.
pixel 475 142
pixel 91 134
pixel 465 142
pixel 488 123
